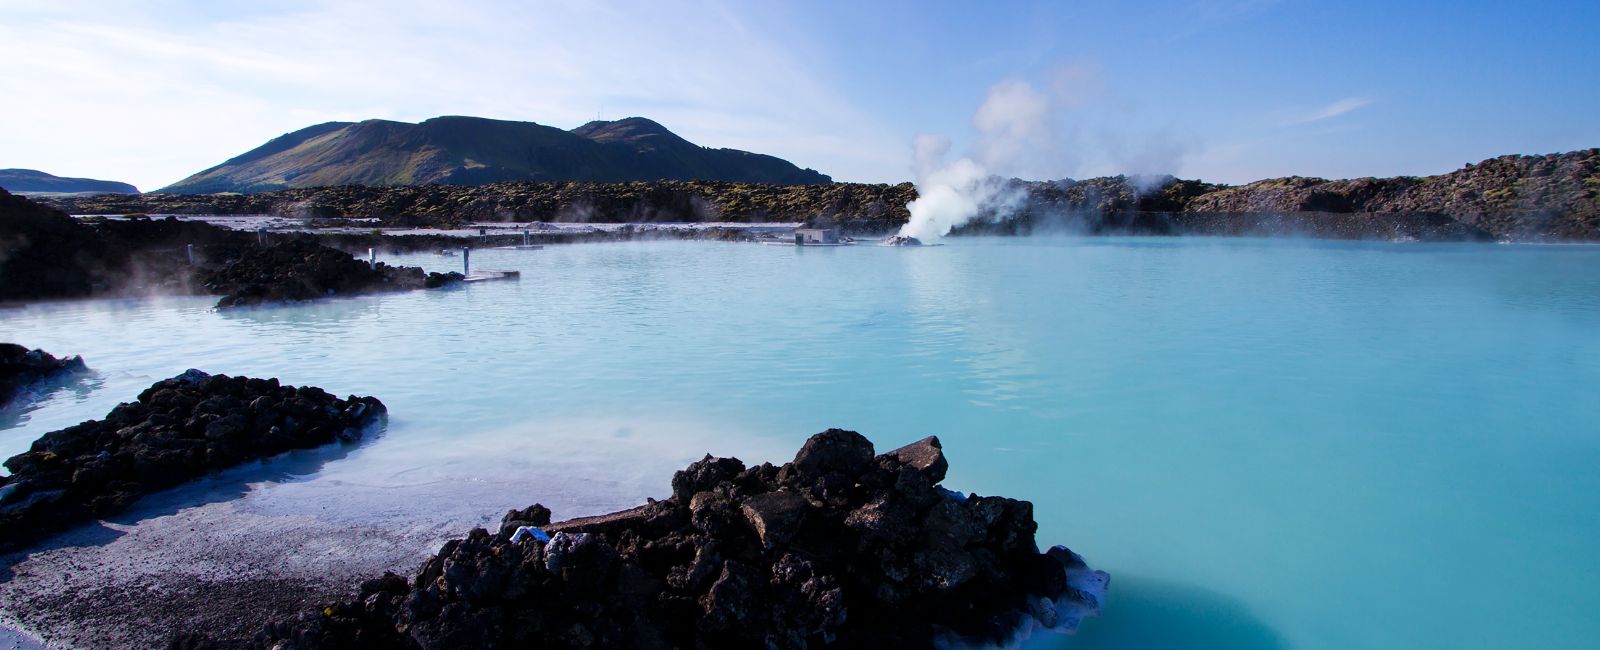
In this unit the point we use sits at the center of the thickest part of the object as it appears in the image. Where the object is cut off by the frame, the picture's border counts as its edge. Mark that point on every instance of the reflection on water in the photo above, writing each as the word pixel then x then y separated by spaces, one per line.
pixel 76 386
pixel 1267 443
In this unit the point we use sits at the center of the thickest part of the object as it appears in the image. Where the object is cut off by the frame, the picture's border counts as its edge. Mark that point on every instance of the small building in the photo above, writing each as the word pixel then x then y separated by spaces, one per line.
pixel 816 237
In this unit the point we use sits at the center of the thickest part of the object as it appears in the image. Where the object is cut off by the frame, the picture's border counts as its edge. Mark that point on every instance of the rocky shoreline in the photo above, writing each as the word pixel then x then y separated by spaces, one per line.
pixel 837 547
pixel 177 430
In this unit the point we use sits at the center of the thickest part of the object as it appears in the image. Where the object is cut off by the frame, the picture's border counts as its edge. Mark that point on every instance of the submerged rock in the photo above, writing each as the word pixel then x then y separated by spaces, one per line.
pixel 20 367
pixel 840 547
pixel 902 240
pixel 177 430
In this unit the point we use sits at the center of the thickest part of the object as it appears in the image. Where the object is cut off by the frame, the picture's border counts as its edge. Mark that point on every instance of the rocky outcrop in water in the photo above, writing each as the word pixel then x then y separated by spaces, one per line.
pixel 301 269
pixel 46 254
pixel 839 547
pixel 21 367
pixel 178 429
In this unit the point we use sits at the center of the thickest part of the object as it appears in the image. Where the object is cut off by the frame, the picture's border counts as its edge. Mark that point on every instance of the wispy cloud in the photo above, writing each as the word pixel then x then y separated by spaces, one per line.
pixel 1330 111
pixel 129 92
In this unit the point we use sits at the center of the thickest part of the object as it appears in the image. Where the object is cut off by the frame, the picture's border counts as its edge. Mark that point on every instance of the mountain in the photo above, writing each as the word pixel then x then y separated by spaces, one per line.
pixel 33 181
pixel 477 151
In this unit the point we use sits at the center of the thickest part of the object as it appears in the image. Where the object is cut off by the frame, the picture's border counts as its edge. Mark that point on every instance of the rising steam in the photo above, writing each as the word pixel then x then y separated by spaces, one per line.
pixel 1013 118
pixel 1015 129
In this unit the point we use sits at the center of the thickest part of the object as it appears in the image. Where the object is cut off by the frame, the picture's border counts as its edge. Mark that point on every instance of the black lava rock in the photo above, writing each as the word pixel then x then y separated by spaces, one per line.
pixel 301 269
pixel 177 430
pixel 837 548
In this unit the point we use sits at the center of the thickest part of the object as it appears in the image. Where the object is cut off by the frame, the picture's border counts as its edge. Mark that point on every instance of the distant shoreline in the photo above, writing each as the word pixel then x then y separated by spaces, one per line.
pixel 1554 197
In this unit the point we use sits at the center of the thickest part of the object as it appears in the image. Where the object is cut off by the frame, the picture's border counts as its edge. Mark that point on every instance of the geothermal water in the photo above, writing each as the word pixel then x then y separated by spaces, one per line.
pixel 1269 444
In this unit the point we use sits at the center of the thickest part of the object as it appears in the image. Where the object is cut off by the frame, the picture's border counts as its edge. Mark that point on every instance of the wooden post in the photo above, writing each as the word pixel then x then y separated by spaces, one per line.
pixel 466 260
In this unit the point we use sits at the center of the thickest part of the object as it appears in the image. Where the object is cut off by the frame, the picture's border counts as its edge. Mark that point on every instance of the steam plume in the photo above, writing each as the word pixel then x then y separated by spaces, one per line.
pixel 1016 129
pixel 1013 117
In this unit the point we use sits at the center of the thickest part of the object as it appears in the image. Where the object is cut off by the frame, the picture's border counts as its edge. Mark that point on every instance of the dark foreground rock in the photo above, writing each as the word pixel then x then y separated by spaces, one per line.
pixel 20 367
pixel 301 269
pixel 837 548
pixel 177 430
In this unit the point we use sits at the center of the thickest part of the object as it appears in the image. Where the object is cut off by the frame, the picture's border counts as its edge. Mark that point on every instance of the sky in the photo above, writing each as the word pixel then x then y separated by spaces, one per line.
pixel 149 92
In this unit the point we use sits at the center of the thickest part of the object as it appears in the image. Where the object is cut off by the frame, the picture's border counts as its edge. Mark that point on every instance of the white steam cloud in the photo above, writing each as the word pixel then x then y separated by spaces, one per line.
pixel 1017 127
pixel 1013 118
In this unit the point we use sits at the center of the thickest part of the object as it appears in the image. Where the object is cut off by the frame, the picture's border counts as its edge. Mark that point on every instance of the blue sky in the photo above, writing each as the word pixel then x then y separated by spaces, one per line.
pixel 1230 91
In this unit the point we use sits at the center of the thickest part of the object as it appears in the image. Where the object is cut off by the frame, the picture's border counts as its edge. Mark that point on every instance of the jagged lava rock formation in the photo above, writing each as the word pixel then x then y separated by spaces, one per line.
pixel 178 429
pixel 837 548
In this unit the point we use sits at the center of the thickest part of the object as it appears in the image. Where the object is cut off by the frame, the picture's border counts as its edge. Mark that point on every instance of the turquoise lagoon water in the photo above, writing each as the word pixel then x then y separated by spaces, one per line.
pixel 1269 444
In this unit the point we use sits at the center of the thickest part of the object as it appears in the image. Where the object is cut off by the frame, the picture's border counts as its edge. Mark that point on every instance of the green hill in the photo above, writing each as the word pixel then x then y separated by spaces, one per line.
pixel 477 151
pixel 29 181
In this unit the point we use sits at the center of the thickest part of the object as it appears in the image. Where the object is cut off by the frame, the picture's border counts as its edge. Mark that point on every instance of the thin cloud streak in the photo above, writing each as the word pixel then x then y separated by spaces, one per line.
pixel 1330 111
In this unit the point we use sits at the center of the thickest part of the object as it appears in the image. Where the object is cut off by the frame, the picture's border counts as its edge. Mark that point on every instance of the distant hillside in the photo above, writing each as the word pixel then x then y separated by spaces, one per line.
pixel 34 181
pixel 477 151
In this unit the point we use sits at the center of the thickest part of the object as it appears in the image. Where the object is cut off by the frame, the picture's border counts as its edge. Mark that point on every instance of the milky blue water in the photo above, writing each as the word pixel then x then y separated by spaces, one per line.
pixel 1269 444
